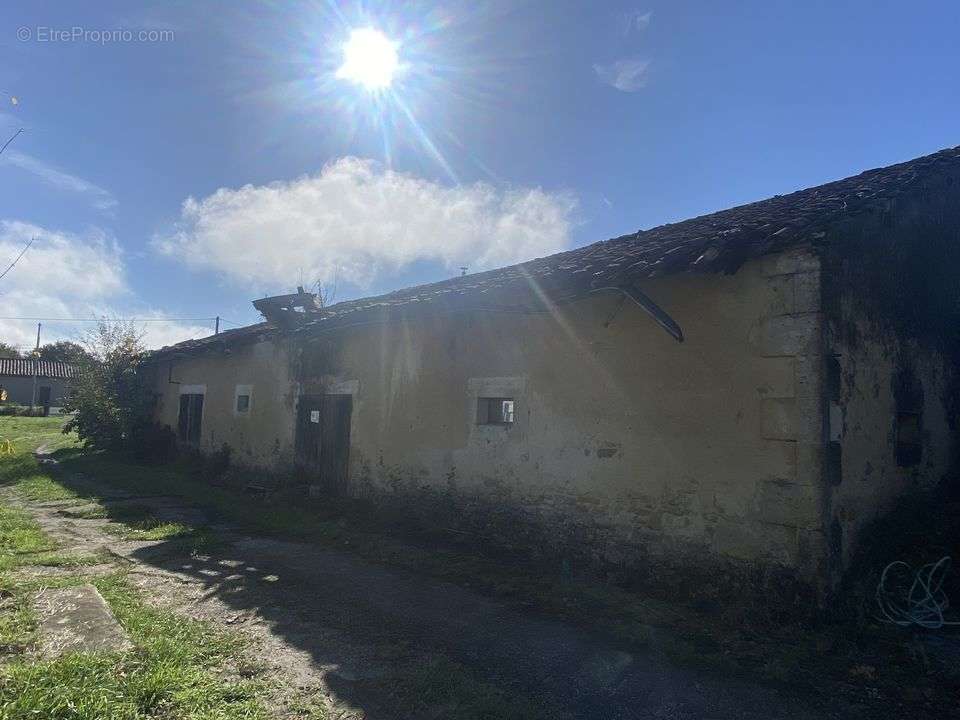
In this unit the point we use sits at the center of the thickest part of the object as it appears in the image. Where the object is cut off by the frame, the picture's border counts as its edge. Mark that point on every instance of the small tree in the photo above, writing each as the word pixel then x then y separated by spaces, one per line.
pixel 109 397
pixel 8 351
pixel 63 351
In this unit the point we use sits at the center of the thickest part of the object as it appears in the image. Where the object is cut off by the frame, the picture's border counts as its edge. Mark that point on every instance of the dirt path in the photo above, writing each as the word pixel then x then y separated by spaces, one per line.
pixel 354 634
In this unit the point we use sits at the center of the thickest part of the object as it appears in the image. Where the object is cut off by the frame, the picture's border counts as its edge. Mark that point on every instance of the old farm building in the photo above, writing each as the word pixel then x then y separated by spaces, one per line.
pixel 751 385
pixel 45 383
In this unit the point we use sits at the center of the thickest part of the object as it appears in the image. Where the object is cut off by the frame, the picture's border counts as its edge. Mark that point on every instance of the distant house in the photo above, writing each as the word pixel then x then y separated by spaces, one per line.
pixel 747 388
pixel 53 381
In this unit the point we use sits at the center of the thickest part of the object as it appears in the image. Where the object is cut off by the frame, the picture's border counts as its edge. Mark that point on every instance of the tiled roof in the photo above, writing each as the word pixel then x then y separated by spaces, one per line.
pixel 248 333
pixel 25 367
pixel 719 242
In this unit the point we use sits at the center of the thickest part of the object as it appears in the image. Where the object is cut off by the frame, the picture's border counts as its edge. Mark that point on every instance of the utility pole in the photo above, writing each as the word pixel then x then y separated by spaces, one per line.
pixel 36 363
pixel 216 329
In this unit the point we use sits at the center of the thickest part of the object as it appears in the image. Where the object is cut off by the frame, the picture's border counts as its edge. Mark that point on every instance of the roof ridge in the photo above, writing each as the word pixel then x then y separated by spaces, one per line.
pixel 719 241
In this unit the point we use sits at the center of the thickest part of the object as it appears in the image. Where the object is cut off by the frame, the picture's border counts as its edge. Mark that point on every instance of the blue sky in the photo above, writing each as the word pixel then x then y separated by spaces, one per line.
pixel 181 177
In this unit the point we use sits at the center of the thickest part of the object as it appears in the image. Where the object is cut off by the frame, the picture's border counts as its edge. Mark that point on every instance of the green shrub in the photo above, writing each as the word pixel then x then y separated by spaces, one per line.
pixel 109 398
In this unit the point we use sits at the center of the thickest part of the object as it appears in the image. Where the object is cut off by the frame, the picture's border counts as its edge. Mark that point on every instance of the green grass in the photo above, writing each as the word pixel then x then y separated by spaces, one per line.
pixel 93 512
pixel 20 534
pixel 730 642
pixel 36 485
pixel 52 559
pixel 22 469
pixel 27 434
pixel 149 529
pixel 17 619
pixel 134 521
pixel 21 542
pixel 175 671
pixel 179 668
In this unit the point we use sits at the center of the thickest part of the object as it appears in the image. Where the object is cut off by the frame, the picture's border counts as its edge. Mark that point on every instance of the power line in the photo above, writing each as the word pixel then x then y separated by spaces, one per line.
pixel 17 259
pixel 12 138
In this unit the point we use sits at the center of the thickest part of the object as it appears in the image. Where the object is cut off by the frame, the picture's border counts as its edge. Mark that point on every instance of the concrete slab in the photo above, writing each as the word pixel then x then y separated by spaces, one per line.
pixel 77 619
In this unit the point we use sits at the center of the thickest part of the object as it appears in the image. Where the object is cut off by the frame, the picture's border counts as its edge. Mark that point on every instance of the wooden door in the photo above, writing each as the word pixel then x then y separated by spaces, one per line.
pixel 309 414
pixel 335 442
pixel 323 439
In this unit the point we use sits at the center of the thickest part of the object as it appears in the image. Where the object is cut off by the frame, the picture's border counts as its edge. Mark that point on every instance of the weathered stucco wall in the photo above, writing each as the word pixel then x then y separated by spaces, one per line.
pixel 880 378
pixel 627 445
pixel 263 436
pixel 625 441
pixel 890 307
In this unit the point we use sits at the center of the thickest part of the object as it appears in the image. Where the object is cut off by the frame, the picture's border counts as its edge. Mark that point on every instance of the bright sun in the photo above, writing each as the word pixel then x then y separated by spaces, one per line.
pixel 369 59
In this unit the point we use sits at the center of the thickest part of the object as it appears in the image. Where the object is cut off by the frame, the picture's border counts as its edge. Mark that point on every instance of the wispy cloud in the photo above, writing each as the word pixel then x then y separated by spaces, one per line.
pixel 100 198
pixel 626 75
pixel 359 221
pixel 636 21
pixel 68 275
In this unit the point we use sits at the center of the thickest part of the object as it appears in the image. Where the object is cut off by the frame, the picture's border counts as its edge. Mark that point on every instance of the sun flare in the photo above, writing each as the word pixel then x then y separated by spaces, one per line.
pixel 369 59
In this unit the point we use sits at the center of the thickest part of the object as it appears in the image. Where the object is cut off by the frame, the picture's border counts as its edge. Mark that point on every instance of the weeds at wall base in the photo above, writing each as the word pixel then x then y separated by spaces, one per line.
pixel 488 549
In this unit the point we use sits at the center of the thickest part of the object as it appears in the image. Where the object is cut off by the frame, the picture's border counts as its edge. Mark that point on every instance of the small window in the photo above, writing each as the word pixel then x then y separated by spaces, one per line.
pixel 495 411
pixel 909 441
pixel 242 399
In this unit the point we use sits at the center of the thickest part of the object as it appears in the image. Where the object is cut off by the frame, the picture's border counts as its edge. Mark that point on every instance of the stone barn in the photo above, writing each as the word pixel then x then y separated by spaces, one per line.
pixel 746 388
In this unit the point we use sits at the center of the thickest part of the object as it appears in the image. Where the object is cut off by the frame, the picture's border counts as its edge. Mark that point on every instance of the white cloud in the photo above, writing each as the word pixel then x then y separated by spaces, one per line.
pixel 636 21
pixel 158 331
pixel 626 75
pixel 358 221
pixel 65 275
pixel 100 198
pixel 81 267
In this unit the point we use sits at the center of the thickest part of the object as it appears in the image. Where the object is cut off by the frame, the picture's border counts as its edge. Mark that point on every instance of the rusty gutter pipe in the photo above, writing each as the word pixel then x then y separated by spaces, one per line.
pixel 659 315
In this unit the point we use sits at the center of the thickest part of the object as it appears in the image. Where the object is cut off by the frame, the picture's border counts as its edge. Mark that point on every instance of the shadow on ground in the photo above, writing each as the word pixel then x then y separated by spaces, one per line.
pixel 393 644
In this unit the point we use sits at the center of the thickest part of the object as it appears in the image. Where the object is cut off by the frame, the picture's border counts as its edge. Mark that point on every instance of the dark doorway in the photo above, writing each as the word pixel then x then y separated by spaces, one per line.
pixel 323 439
pixel 191 413
pixel 43 399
